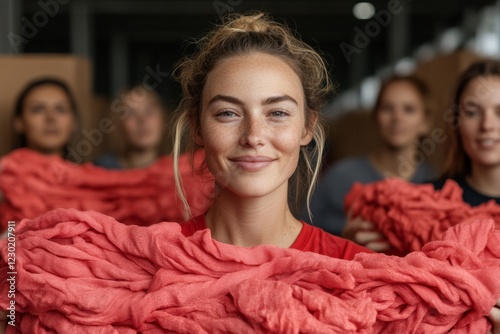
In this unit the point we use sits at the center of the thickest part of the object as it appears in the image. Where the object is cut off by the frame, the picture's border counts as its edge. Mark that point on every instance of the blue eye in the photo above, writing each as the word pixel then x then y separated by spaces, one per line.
pixel 226 113
pixel 279 113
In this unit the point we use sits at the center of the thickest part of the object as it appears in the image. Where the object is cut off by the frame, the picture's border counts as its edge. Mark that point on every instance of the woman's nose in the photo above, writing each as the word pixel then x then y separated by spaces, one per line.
pixel 50 115
pixel 490 121
pixel 253 132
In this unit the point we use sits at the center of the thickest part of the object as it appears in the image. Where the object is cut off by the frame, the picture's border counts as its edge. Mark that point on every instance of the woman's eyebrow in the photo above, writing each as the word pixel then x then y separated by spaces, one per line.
pixel 225 98
pixel 269 100
pixel 276 99
pixel 471 104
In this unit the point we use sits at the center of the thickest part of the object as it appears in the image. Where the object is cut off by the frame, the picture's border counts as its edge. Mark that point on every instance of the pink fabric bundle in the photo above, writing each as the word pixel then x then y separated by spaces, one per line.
pixel 32 184
pixel 411 215
pixel 83 272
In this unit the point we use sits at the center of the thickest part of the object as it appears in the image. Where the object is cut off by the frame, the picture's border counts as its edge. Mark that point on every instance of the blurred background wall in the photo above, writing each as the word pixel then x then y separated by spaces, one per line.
pixel 103 46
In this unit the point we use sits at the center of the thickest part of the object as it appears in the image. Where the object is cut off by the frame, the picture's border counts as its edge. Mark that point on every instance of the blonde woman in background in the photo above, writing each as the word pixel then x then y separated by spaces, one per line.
pixel 142 126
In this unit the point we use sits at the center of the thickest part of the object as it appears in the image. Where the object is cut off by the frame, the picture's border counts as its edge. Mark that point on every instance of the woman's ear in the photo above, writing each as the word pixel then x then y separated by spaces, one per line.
pixel 198 138
pixel 18 125
pixel 308 133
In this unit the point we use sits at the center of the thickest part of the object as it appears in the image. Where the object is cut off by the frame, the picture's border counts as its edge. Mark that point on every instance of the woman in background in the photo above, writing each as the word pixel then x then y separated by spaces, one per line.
pixel 142 129
pixel 402 116
pixel 45 117
pixel 474 158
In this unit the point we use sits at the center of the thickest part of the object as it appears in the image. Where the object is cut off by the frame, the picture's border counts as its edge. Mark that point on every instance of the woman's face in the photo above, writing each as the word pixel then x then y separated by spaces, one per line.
pixel 253 123
pixel 401 117
pixel 47 119
pixel 143 126
pixel 479 125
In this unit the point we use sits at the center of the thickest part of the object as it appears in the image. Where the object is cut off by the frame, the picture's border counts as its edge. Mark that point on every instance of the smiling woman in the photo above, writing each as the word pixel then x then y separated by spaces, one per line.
pixel 252 95
pixel 474 157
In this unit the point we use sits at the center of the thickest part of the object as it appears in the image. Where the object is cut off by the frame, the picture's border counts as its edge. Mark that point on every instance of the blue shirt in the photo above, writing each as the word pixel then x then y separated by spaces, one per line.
pixel 327 202
pixel 108 161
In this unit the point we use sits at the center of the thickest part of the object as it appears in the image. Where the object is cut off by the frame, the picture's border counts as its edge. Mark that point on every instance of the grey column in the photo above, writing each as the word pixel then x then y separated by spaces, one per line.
pixel 119 63
pixel 399 33
pixel 11 39
pixel 81 30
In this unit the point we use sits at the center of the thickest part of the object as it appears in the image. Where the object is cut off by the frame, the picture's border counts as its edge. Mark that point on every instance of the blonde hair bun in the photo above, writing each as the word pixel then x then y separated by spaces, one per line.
pixel 254 23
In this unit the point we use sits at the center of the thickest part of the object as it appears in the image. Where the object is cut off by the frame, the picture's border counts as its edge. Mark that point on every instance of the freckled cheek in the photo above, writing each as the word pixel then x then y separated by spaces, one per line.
pixel 218 142
pixel 288 145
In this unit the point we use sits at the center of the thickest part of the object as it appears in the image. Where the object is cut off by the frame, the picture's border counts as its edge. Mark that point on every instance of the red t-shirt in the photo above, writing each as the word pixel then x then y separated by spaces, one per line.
pixel 310 239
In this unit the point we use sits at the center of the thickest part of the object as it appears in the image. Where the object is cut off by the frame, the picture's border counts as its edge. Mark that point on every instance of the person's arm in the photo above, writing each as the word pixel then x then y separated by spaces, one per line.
pixel 494 317
pixel 327 212
pixel 327 204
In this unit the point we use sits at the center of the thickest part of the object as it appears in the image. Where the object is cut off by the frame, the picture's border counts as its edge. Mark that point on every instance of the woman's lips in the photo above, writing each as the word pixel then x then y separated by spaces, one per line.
pixel 252 163
pixel 51 132
pixel 487 143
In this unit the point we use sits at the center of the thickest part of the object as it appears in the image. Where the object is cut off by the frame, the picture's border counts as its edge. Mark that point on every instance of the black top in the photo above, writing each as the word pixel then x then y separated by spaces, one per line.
pixel 470 195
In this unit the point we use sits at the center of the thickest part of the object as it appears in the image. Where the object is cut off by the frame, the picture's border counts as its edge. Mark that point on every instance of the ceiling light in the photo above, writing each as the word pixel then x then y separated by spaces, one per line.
pixel 363 10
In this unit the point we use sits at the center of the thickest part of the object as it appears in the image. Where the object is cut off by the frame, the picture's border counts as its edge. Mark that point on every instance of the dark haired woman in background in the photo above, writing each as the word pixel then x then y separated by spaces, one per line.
pixel 474 158
pixel 402 115
pixel 45 116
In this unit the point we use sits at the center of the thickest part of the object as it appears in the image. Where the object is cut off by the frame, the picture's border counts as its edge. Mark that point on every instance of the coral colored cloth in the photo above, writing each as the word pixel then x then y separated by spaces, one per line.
pixel 83 272
pixel 310 239
pixel 410 215
pixel 32 184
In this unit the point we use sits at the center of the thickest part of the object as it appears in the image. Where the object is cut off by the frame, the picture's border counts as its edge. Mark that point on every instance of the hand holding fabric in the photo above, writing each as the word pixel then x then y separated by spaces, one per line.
pixel 366 234
pixel 494 317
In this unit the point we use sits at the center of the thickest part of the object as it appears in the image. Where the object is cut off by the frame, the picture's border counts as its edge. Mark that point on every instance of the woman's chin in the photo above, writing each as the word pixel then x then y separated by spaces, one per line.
pixel 249 191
